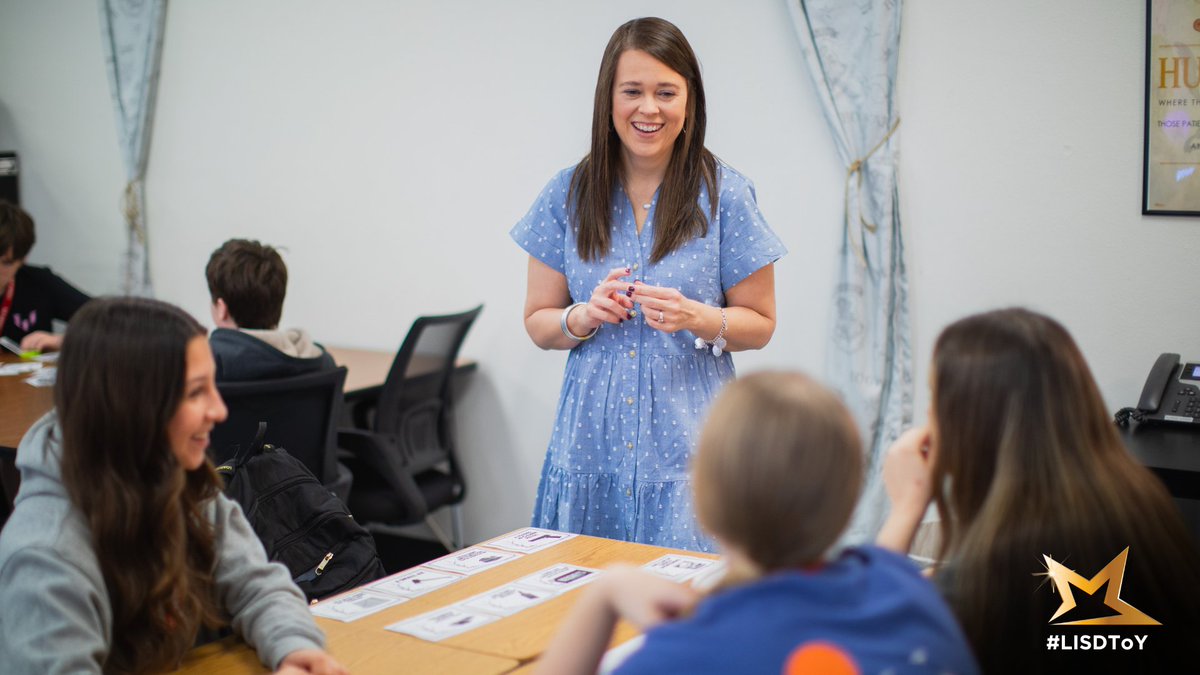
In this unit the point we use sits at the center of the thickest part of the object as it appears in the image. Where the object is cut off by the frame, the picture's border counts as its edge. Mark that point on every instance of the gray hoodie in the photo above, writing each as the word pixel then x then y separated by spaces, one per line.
pixel 55 615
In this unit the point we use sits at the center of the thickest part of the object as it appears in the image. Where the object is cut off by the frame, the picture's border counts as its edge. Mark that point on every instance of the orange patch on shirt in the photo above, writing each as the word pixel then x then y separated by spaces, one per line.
pixel 819 657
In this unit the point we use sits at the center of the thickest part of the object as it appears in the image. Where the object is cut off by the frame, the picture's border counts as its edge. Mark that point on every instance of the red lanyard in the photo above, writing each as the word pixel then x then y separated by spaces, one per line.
pixel 8 295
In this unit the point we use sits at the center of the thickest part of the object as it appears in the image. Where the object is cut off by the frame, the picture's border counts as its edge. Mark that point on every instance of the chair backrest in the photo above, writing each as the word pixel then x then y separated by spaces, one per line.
pixel 414 402
pixel 301 413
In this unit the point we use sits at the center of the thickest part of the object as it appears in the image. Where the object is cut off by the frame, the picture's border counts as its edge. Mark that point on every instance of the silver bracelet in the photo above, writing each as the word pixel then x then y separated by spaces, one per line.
pixel 562 323
pixel 718 343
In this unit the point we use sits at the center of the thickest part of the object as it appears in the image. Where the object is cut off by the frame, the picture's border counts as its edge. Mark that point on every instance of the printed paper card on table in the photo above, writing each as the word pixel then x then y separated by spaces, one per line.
pixel 443 623
pixel 415 582
pixel 678 567
pixel 530 539
pixel 708 578
pixel 43 377
pixel 471 560
pixel 559 578
pixel 508 600
pixel 356 605
pixel 19 368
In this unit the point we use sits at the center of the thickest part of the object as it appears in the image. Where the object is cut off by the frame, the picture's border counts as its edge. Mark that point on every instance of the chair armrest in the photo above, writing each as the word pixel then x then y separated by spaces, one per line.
pixel 375 454
pixel 361 404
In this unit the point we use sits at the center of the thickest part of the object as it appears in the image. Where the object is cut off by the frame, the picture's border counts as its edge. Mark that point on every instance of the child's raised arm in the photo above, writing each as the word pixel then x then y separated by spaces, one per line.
pixel 620 593
pixel 907 469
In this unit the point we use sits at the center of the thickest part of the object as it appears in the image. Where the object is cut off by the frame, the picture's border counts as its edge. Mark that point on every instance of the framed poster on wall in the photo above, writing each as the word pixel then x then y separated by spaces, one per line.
pixel 1171 168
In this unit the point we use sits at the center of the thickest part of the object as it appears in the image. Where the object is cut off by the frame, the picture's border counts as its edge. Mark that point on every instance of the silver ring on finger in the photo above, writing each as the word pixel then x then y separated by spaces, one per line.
pixel 661 317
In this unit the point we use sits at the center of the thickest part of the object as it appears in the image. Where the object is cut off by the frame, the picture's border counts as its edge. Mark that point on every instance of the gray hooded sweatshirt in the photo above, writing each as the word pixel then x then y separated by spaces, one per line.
pixel 55 615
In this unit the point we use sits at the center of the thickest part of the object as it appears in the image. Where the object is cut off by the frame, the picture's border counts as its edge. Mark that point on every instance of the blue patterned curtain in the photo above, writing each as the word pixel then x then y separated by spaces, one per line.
pixel 851 51
pixel 132 36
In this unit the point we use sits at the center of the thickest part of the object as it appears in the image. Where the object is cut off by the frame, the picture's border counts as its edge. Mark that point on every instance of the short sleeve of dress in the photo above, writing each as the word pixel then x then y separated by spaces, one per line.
pixel 747 243
pixel 543 230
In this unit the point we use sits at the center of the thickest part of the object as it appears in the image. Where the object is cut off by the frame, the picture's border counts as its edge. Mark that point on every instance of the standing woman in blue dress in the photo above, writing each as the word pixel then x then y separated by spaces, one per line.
pixel 650 262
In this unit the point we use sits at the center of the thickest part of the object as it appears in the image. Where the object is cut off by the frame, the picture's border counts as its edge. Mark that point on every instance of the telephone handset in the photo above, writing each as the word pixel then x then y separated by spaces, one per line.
pixel 1172 391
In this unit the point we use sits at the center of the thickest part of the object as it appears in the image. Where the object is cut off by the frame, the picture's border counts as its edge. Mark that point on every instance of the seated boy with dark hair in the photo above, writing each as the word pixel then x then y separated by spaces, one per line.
pixel 247 281
pixel 31 297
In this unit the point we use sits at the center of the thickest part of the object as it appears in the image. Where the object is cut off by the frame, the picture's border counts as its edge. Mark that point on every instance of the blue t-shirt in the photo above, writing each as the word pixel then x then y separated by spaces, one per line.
pixel 632 396
pixel 870 604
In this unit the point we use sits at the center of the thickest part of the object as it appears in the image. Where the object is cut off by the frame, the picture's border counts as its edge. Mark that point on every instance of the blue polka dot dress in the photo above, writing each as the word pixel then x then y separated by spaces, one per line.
pixel 633 396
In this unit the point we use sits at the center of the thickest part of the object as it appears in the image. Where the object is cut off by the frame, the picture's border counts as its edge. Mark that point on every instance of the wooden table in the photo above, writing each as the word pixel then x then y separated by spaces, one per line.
pixel 20 405
pixel 389 653
pixel 363 646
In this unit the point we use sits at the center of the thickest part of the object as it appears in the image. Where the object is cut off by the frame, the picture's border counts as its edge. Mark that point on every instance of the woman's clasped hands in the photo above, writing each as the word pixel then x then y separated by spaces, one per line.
pixel 610 301
pixel 615 300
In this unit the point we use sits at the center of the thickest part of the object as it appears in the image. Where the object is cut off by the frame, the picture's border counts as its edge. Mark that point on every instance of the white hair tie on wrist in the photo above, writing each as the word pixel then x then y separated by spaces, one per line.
pixel 718 343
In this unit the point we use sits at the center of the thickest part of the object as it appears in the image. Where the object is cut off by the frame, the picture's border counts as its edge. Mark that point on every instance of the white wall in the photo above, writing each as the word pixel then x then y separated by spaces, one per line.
pixel 389 146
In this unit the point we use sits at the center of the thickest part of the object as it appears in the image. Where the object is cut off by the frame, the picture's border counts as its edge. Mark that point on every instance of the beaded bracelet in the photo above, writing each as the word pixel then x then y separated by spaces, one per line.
pixel 718 343
pixel 562 323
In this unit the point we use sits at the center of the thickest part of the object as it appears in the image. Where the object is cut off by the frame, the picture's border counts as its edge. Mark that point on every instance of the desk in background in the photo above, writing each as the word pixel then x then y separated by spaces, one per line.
pixel 20 406
pixel 366 369
pixel 1172 452
pixel 364 646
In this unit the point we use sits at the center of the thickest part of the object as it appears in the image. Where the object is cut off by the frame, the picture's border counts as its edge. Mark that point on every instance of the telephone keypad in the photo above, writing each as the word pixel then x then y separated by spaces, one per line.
pixel 1186 401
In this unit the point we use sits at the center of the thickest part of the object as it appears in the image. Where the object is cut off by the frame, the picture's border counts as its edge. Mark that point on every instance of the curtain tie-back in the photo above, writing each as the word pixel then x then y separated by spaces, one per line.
pixel 855 169
pixel 132 208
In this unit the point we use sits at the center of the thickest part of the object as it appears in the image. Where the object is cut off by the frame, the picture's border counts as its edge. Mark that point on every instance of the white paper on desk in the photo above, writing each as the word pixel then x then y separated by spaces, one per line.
pixel 678 567
pixel 19 368
pixel 707 578
pixel 354 606
pixel 471 560
pixel 414 582
pixel 560 578
pixel 529 540
pixel 443 623
pixel 509 599
pixel 44 377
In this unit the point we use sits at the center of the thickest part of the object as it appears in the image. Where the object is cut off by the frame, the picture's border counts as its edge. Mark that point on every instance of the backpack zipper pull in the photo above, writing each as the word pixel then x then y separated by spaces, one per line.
pixel 325 561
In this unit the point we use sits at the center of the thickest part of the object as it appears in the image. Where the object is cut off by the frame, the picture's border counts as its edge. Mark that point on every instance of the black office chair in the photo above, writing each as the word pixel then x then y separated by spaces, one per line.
pixel 301 413
pixel 402 449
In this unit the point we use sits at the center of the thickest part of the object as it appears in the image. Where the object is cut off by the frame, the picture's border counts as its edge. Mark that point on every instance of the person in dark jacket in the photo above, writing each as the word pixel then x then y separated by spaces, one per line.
pixel 247 281
pixel 31 297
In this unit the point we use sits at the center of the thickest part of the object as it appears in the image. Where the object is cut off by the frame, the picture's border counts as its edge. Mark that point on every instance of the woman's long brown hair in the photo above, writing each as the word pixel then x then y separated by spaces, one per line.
pixel 120 380
pixel 1032 466
pixel 679 217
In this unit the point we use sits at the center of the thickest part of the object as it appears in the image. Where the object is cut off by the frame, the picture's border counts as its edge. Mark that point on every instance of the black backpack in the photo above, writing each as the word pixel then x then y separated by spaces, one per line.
pixel 300 522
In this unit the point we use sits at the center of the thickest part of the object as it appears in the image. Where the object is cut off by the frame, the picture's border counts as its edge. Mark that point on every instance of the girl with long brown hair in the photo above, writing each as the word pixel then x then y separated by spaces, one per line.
pixel 121 549
pixel 1030 478
pixel 650 262
pixel 778 469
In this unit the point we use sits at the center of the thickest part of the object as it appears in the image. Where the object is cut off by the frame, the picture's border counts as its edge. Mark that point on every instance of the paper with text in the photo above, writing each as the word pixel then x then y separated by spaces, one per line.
pixel 508 600
pixel 354 606
pixel 529 540
pixel 443 623
pixel 678 567
pixel 415 582
pixel 471 560
pixel 560 578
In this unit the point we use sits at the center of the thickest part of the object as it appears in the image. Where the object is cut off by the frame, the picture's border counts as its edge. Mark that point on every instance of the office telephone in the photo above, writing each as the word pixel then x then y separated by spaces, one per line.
pixel 1172 391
